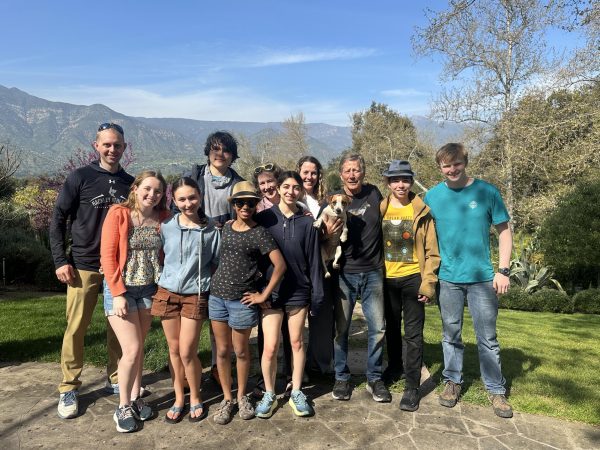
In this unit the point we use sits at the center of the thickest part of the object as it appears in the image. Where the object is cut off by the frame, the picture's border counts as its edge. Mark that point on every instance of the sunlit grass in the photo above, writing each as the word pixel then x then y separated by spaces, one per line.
pixel 32 330
pixel 551 361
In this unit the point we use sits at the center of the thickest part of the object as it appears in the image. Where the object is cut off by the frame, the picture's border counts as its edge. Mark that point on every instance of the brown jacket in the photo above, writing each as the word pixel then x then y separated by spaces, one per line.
pixel 426 244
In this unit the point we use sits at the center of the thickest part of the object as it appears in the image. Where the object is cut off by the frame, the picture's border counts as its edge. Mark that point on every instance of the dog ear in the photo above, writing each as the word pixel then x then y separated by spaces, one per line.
pixel 328 198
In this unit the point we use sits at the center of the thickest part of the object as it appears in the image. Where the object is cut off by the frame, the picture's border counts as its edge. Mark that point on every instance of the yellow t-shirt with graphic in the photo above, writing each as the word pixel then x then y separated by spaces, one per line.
pixel 398 242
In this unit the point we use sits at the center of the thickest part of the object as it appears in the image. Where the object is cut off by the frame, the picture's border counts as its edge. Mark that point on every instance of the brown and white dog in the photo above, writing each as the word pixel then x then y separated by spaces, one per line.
pixel 331 249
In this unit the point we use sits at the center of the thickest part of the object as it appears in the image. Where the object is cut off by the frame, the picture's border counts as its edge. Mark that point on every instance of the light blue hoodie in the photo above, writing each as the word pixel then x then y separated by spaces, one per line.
pixel 182 263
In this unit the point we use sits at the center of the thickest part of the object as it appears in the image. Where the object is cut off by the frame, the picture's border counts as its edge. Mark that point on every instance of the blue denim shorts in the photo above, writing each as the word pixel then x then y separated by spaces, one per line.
pixel 138 297
pixel 237 315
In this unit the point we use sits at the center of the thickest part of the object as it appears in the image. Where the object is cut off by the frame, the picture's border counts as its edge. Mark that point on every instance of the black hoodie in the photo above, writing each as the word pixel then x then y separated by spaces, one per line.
pixel 83 201
pixel 298 240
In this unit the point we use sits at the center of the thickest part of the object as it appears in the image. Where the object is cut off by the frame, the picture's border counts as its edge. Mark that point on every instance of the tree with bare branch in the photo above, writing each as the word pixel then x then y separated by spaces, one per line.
pixel 492 51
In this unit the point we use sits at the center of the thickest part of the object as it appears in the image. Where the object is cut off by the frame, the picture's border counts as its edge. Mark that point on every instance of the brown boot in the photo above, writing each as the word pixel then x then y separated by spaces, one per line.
pixel 501 406
pixel 450 394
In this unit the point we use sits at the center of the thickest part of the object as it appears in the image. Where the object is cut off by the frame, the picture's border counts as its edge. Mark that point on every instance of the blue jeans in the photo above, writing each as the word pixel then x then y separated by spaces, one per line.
pixel 483 306
pixel 369 287
pixel 138 297
pixel 237 315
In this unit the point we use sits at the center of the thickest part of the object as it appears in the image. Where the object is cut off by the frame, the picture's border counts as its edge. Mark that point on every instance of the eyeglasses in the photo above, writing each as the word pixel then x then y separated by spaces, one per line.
pixel 240 202
pixel 110 125
pixel 268 167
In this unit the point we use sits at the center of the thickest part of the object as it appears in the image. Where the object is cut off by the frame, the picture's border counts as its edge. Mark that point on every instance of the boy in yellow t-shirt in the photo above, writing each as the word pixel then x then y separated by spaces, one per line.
pixel 411 263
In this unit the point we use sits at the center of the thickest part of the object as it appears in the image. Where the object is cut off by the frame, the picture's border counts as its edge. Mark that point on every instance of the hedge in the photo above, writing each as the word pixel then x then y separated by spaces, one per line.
pixel 587 302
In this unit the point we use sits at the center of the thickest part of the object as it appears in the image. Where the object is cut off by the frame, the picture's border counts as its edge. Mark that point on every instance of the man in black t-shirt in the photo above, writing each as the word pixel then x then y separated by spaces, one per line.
pixel 361 276
pixel 83 202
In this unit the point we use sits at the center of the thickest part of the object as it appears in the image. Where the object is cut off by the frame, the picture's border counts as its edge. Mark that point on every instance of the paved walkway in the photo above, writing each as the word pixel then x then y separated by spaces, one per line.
pixel 28 420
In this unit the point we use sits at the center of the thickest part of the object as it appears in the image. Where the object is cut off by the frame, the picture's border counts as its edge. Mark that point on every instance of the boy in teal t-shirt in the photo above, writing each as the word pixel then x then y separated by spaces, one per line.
pixel 463 217
pixel 464 209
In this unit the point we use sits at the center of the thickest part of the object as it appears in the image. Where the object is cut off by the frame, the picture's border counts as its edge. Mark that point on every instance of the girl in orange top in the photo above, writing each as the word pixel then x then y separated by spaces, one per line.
pixel 130 260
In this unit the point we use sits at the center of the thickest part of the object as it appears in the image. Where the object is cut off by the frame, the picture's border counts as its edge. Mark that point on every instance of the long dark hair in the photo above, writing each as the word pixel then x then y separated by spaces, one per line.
pixel 319 189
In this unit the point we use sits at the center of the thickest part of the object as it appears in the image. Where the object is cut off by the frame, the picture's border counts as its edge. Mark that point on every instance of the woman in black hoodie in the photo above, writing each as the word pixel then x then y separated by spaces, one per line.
pixel 300 290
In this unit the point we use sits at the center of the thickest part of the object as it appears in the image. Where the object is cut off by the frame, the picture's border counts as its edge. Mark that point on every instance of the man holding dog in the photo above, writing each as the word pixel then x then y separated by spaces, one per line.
pixel 81 207
pixel 360 276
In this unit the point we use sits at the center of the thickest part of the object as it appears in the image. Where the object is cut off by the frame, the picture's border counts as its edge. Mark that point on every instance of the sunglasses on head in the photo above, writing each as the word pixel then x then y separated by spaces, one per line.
pixel 240 202
pixel 110 125
pixel 268 167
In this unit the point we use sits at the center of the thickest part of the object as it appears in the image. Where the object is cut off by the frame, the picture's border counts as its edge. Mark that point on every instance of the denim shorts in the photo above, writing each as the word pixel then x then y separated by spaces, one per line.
pixel 138 297
pixel 237 315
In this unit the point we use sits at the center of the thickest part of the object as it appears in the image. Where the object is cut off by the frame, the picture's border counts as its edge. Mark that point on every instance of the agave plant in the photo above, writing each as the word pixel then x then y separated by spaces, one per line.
pixel 527 271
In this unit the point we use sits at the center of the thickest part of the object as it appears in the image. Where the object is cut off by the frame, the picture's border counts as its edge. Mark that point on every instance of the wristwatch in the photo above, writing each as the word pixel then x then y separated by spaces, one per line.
pixel 504 271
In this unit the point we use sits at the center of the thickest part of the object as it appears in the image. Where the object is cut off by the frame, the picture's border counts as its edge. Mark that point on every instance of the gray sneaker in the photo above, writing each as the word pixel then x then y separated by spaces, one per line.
pixel 450 394
pixel 224 412
pixel 141 411
pixel 245 408
pixel 68 405
pixel 125 419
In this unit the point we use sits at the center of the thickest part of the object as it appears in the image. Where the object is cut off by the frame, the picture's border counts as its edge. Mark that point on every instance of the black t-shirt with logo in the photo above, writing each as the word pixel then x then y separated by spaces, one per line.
pixel 238 264
pixel 82 204
pixel 363 251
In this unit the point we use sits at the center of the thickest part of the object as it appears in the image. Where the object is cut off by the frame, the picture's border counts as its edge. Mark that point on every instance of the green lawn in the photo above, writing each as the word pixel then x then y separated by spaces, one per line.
pixel 32 330
pixel 551 361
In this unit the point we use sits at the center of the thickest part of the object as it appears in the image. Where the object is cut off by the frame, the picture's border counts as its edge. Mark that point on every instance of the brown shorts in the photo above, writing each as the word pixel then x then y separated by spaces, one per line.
pixel 167 304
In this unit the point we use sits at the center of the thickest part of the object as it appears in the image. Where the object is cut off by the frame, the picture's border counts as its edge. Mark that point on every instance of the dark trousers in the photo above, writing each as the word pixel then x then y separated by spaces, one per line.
pixel 319 354
pixel 401 300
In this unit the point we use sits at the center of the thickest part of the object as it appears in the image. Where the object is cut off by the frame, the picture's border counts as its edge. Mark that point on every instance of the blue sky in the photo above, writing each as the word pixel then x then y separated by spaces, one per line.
pixel 227 60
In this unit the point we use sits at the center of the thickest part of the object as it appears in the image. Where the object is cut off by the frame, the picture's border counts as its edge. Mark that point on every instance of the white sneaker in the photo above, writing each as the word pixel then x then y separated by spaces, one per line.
pixel 68 405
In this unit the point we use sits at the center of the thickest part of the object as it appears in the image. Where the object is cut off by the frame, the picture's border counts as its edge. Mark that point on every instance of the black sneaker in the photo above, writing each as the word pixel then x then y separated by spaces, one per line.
pixel 379 392
pixel 341 390
pixel 410 399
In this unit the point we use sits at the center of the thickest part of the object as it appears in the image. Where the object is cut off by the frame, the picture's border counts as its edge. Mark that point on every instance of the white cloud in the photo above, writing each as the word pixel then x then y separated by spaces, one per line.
pixel 404 93
pixel 277 58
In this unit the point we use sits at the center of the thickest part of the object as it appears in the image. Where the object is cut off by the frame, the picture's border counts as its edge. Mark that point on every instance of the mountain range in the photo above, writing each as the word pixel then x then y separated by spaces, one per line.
pixel 47 133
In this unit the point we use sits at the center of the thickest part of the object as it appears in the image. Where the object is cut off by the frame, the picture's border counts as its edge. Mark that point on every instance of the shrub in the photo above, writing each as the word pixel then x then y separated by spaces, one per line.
pixel 45 276
pixel 515 298
pixel 587 301
pixel 551 300
pixel 25 257
pixel 570 235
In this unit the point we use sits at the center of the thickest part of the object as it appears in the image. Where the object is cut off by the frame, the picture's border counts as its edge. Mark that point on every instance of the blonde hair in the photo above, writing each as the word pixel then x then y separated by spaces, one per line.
pixel 451 152
pixel 131 202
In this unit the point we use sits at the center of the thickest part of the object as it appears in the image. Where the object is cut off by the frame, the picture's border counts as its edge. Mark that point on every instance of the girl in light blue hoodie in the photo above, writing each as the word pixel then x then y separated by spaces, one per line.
pixel 191 253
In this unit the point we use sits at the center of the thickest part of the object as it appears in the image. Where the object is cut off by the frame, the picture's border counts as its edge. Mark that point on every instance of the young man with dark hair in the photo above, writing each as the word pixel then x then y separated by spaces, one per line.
pixel 81 207
pixel 216 178
pixel 464 209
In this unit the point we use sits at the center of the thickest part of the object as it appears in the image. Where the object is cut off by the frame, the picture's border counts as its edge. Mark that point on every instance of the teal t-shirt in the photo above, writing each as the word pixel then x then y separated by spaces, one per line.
pixel 462 221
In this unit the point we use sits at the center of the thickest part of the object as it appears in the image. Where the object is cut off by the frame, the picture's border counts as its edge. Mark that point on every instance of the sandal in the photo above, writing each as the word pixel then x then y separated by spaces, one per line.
pixel 194 408
pixel 175 410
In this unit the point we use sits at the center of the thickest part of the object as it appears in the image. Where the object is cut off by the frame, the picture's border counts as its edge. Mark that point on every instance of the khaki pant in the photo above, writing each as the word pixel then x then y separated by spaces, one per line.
pixel 82 297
